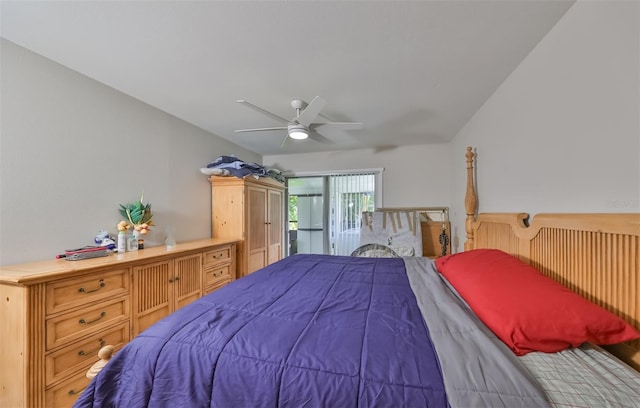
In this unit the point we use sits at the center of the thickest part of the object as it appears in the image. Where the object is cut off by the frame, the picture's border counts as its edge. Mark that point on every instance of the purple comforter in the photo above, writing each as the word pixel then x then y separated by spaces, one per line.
pixel 308 331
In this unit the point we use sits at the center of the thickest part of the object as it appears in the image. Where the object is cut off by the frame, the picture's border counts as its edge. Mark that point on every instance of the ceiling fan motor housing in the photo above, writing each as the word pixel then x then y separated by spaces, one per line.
pixel 298 131
pixel 298 104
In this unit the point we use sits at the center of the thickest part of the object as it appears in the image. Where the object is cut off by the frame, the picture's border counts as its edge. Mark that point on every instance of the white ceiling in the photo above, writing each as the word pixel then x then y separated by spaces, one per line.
pixel 412 72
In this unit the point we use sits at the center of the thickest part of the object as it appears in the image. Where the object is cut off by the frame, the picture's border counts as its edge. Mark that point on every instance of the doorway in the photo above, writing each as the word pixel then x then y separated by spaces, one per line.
pixel 324 211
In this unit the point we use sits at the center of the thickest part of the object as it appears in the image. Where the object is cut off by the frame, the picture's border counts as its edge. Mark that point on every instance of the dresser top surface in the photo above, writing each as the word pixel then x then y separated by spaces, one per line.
pixel 43 270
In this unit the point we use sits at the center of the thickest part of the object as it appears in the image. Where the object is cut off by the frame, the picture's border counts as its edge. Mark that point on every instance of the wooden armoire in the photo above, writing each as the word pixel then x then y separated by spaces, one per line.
pixel 252 211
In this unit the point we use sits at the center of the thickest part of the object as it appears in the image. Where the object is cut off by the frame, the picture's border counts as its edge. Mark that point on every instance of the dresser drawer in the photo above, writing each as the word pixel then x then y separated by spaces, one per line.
pixel 74 325
pixel 77 355
pixel 216 274
pixel 218 285
pixel 217 255
pixel 69 293
pixel 66 393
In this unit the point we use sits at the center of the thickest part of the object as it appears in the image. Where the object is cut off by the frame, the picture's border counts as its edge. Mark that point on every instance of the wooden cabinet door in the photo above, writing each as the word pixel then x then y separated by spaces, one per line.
pixel 256 238
pixel 163 287
pixel 227 201
pixel 152 294
pixel 275 226
pixel 188 279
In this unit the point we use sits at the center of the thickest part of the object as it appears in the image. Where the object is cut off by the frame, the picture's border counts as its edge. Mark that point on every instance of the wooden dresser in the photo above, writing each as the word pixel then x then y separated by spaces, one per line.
pixel 55 315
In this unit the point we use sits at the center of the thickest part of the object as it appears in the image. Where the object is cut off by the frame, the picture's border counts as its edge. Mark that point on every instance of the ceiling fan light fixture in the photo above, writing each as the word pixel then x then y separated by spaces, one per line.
pixel 303 126
pixel 298 132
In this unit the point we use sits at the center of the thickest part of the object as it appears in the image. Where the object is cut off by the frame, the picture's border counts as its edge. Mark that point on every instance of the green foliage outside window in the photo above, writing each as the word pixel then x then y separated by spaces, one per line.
pixel 293 212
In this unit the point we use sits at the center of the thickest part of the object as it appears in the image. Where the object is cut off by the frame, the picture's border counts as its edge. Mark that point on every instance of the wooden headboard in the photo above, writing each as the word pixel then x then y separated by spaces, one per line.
pixel 595 255
pixel 433 221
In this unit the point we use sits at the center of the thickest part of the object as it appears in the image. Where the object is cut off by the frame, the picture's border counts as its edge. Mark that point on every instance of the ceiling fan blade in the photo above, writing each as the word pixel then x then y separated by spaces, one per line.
pixel 343 125
pixel 264 112
pixel 284 141
pixel 319 138
pixel 260 129
pixel 309 114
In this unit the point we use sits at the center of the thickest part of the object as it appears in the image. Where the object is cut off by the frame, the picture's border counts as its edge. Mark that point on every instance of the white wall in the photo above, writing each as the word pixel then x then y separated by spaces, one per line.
pixel 562 133
pixel 73 149
pixel 413 176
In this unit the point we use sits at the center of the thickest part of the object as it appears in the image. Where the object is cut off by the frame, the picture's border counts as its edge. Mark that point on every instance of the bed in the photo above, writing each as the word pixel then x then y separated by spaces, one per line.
pixel 495 325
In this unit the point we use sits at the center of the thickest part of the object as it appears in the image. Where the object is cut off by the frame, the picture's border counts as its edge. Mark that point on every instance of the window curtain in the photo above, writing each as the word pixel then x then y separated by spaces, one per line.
pixel 349 196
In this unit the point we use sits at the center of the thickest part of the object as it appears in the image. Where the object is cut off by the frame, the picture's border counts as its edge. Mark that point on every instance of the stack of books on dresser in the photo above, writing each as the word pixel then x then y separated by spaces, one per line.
pixel 86 252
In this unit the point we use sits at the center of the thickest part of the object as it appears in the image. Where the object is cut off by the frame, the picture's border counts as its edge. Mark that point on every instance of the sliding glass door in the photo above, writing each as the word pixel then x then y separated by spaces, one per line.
pixel 306 215
pixel 350 196
pixel 324 211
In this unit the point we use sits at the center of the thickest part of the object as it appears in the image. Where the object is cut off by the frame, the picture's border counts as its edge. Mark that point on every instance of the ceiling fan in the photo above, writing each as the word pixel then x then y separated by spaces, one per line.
pixel 305 124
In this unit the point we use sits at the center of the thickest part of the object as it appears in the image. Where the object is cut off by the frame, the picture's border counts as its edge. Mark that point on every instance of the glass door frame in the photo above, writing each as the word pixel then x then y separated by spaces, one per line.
pixel 377 172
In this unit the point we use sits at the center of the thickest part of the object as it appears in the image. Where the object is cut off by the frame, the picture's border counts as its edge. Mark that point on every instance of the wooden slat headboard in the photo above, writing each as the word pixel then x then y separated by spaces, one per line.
pixel 595 255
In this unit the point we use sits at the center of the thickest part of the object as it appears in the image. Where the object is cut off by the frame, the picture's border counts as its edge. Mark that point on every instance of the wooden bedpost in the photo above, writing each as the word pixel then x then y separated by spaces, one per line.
pixel 105 354
pixel 470 201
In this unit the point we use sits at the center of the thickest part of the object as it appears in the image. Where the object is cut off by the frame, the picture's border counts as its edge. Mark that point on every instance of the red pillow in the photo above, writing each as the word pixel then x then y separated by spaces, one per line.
pixel 525 309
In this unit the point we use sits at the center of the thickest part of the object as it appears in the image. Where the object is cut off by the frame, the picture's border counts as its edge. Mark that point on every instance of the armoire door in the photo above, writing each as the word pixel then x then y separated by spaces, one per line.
pixel 275 226
pixel 256 238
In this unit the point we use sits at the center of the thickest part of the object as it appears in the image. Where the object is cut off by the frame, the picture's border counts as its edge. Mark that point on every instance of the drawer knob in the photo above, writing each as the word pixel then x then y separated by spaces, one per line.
pixel 100 286
pixel 83 321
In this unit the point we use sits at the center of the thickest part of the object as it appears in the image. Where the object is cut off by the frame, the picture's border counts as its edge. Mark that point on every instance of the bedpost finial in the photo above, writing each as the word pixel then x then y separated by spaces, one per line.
pixel 469 155
pixel 105 354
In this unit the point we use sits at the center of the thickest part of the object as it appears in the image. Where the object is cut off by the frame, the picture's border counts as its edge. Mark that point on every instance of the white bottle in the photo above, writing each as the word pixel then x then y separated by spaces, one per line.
pixel 122 242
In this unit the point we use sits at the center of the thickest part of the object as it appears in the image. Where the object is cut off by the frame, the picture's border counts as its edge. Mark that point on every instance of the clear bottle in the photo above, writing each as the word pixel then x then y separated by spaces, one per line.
pixel 170 241
pixel 122 242
pixel 132 243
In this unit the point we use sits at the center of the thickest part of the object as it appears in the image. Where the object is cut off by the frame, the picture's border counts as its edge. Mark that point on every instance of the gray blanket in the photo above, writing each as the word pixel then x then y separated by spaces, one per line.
pixel 478 369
